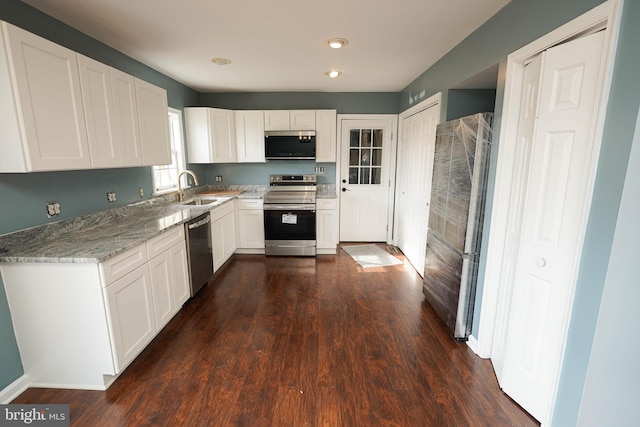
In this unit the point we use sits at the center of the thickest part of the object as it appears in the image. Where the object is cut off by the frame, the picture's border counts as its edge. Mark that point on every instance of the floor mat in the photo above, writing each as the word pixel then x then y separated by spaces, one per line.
pixel 371 256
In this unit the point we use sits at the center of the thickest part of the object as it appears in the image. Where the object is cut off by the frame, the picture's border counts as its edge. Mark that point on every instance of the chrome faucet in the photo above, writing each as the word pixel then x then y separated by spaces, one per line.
pixel 180 190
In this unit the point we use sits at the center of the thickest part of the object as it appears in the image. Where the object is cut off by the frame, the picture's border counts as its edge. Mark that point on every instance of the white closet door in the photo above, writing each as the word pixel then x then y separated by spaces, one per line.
pixel 415 172
pixel 553 222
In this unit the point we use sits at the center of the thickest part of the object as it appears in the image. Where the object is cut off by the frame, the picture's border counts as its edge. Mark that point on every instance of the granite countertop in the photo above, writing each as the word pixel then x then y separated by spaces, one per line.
pixel 97 237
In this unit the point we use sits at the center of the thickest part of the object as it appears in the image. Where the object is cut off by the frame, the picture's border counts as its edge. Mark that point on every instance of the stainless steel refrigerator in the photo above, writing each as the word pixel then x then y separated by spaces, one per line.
pixel 456 215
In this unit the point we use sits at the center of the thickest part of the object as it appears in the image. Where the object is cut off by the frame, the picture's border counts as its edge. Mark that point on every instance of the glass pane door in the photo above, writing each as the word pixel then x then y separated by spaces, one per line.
pixel 365 156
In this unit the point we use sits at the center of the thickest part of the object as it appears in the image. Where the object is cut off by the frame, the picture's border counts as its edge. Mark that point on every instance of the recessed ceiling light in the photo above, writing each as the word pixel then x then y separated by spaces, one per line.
pixel 337 43
pixel 221 61
pixel 333 73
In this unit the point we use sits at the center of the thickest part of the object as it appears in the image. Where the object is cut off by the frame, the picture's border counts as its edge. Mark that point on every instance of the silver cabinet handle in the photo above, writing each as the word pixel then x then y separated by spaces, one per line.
pixel 199 223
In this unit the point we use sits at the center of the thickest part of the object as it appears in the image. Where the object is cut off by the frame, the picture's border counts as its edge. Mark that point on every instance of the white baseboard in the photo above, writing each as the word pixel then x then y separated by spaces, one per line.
pixel 12 391
pixel 472 342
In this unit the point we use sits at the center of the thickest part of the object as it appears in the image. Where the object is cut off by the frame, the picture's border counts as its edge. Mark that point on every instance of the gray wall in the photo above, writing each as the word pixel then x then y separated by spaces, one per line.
pixel 344 102
pixel 519 23
pixel 465 102
pixel 614 367
pixel 258 173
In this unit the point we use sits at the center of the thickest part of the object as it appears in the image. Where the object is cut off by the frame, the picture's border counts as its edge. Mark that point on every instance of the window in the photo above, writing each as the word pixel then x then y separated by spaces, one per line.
pixel 165 177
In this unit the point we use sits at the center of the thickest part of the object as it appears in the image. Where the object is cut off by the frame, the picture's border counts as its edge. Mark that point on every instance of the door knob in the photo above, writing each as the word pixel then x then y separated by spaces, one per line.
pixel 541 262
pixel 344 189
pixel 344 181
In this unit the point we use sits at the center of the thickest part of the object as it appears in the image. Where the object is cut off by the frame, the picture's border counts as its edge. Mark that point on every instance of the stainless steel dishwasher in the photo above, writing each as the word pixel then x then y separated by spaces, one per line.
pixel 198 232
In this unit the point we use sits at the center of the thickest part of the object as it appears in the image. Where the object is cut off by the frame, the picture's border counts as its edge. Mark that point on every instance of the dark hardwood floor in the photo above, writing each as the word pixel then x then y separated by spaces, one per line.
pixel 285 341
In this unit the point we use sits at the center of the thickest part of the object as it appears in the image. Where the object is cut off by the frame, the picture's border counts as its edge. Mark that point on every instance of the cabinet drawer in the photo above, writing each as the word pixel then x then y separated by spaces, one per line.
pixel 249 203
pixel 123 263
pixel 222 210
pixel 163 242
pixel 326 203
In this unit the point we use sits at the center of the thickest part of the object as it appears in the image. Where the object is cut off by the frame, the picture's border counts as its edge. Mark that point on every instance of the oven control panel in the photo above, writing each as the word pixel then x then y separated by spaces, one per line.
pixel 292 180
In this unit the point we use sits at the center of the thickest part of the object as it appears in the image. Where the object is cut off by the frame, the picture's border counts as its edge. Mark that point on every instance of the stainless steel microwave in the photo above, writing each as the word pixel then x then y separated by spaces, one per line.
pixel 290 145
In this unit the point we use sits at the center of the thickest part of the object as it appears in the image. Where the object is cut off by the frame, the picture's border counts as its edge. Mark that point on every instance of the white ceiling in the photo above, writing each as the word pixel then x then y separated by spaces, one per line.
pixel 279 45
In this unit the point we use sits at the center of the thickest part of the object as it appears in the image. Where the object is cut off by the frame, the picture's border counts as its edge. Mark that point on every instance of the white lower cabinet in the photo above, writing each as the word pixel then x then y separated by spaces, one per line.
pixel 327 222
pixel 80 325
pixel 223 233
pixel 129 303
pixel 250 226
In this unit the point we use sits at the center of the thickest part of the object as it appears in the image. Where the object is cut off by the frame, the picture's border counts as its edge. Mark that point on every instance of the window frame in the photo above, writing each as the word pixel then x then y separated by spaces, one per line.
pixel 176 138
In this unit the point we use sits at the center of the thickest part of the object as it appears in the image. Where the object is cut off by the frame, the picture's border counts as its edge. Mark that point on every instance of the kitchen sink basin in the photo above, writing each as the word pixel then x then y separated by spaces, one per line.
pixel 201 201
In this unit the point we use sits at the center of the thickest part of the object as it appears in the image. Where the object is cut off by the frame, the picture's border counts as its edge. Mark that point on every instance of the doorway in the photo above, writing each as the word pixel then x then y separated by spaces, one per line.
pixel 366 169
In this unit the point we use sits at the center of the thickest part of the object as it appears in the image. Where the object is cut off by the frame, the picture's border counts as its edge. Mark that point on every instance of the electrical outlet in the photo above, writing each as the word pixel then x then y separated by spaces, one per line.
pixel 218 178
pixel 111 196
pixel 141 191
pixel 319 169
pixel 53 209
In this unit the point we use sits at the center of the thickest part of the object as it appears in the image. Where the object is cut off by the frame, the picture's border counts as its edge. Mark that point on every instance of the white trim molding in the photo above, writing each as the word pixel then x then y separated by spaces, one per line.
pixel 14 389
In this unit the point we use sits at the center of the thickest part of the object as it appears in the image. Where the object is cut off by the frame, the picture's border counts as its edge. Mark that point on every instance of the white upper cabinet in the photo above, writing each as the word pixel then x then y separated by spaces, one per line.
pixel 42 125
pixel 250 136
pixel 326 135
pixel 64 111
pixel 289 120
pixel 302 119
pixel 211 135
pixel 153 118
pixel 126 115
pixel 97 99
pixel 276 120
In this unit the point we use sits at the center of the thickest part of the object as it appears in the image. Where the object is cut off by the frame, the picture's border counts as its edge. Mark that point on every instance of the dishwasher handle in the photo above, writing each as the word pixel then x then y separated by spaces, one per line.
pixel 203 221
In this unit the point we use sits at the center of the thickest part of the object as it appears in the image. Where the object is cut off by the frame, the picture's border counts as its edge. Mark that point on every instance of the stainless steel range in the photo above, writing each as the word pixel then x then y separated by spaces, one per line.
pixel 290 215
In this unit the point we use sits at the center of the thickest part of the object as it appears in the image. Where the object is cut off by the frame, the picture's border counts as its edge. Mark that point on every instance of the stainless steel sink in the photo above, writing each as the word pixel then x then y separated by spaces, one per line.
pixel 201 201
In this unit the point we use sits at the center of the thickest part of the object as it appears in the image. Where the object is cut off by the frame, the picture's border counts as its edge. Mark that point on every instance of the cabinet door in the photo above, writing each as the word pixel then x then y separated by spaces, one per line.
pixel 153 118
pixel 250 136
pixel 47 88
pixel 302 119
pixel 97 99
pixel 217 244
pixel 198 129
pixel 223 135
pixel 276 120
pixel 130 314
pixel 126 114
pixel 327 229
pixel 250 229
pixel 223 234
pixel 180 269
pixel 162 284
pixel 326 135
pixel 229 235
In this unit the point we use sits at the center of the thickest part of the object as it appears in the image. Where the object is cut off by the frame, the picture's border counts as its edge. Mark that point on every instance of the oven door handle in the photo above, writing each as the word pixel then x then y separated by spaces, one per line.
pixel 300 207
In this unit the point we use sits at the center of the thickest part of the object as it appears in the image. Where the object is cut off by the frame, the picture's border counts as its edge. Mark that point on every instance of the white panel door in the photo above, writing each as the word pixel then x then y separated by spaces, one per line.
pixel 365 165
pixel 526 128
pixel 554 209
pixel 415 172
